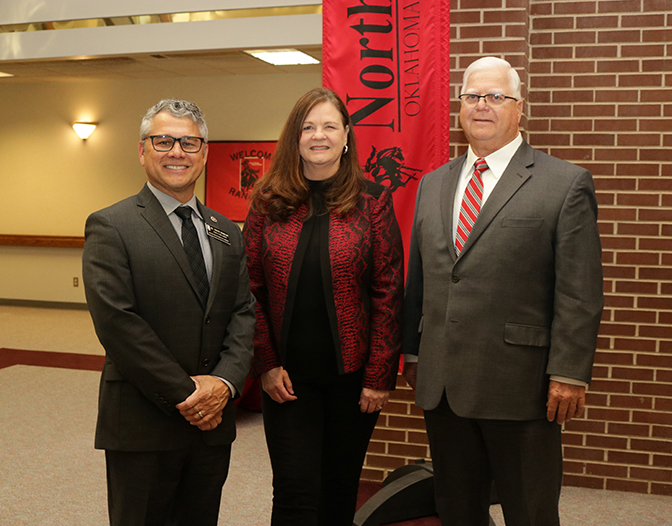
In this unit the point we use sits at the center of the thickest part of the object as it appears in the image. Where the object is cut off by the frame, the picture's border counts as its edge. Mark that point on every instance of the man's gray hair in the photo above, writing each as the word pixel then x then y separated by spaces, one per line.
pixel 179 109
pixel 487 63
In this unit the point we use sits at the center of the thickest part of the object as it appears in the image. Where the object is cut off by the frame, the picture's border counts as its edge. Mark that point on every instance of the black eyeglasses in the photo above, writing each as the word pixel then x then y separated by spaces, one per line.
pixel 165 143
pixel 492 99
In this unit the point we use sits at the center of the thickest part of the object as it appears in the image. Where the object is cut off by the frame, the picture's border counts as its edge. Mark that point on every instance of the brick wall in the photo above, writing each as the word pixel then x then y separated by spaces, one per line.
pixel 598 87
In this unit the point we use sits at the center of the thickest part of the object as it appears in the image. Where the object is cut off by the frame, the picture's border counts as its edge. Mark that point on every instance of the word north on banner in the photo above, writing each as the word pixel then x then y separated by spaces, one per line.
pixel 390 62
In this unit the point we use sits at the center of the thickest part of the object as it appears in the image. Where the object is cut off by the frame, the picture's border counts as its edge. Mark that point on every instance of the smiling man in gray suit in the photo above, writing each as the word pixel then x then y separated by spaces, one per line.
pixel 502 310
pixel 177 325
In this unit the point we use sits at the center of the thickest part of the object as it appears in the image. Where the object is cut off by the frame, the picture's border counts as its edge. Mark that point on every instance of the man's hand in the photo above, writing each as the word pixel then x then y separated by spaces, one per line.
pixel 210 424
pixel 410 373
pixel 565 401
pixel 277 384
pixel 203 408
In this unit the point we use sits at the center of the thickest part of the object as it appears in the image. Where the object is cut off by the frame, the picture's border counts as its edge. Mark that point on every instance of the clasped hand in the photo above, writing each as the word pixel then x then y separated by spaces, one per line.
pixel 203 408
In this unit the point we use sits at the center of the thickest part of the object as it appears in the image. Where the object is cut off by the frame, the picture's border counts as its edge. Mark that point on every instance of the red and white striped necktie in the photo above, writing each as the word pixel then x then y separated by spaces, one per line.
pixel 471 205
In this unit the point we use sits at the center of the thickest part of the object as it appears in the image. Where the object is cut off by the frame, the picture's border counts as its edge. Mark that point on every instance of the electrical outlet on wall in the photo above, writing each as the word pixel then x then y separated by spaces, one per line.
pixel 75 282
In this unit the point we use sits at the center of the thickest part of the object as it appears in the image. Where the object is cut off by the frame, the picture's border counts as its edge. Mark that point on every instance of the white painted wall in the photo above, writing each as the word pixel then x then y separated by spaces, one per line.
pixel 41 274
pixel 51 180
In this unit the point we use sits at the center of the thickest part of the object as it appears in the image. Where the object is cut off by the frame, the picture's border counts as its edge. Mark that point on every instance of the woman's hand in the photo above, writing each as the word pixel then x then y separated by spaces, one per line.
pixel 277 385
pixel 372 400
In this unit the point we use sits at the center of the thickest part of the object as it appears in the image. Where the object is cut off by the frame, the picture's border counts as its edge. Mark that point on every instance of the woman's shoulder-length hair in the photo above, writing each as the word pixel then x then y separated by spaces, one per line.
pixel 284 189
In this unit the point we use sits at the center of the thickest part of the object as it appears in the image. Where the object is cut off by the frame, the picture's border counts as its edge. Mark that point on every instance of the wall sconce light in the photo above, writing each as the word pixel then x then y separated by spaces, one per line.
pixel 84 129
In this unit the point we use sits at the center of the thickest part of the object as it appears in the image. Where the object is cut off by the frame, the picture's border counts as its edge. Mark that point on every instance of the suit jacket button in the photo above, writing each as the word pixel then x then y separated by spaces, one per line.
pixel 207 320
pixel 456 278
pixel 206 362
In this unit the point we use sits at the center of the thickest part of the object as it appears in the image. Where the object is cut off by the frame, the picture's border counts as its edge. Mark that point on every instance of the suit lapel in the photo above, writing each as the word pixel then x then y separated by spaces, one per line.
pixel 155 215
pixel 448 189
pixel 512 179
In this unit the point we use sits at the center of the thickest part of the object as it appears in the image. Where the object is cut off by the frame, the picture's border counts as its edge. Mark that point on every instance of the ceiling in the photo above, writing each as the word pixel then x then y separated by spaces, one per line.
pixel 145 66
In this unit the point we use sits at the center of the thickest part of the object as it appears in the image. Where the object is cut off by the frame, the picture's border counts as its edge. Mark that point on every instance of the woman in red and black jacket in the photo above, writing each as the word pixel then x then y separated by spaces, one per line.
pixel 326 266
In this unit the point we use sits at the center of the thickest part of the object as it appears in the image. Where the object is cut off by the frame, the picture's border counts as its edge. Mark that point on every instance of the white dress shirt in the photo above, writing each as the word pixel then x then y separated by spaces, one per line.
pixel 497 163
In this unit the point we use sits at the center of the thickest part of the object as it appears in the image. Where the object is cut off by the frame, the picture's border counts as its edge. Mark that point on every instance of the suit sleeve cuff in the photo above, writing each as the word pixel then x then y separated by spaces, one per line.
pixel 229 384
pixel 571 381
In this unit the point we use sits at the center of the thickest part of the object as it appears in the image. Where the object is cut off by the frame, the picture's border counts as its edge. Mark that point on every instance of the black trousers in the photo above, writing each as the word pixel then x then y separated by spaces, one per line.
pixel 167 488
pixel 524 459
pixel 317 446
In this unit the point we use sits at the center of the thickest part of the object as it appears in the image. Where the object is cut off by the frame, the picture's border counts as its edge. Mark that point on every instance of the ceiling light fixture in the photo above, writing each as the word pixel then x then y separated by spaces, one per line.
pixel 283 57
pixel 84 129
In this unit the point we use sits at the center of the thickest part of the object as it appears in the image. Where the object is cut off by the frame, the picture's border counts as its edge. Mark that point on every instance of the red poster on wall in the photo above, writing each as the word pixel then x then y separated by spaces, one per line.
pixel 390 62
pixel 230 173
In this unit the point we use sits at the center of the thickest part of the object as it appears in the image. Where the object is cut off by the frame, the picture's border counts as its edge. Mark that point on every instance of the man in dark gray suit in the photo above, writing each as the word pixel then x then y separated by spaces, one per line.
pixel 177 326
pixel 503 305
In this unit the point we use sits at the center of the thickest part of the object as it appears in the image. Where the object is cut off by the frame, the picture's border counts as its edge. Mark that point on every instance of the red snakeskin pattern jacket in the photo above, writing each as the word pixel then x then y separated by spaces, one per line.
pixel 366 262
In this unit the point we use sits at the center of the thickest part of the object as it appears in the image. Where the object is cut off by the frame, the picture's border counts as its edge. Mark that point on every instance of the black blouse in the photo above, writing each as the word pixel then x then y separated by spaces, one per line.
pixel 311 354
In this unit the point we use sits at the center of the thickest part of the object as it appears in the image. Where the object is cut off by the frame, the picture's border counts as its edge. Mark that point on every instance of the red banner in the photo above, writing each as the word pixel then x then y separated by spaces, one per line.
pixel 230 173
pixel 389 60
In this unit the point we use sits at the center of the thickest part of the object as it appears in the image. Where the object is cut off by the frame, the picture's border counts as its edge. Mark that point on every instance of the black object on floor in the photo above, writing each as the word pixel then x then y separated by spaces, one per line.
pixel 407 494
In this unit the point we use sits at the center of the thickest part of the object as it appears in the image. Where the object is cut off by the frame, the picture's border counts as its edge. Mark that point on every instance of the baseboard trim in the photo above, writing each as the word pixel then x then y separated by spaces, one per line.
pixel 44 304
pixel 61 360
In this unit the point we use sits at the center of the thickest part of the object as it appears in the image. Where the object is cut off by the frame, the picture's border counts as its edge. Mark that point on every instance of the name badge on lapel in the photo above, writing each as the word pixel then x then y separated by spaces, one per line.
pixel 217 234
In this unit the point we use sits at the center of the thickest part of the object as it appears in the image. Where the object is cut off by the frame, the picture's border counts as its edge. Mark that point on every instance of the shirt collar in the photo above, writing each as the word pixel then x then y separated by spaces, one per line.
pixel 497 161
pixel 169 203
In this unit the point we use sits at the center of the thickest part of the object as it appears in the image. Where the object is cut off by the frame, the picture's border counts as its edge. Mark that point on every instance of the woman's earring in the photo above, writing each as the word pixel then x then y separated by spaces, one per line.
pixel 345 149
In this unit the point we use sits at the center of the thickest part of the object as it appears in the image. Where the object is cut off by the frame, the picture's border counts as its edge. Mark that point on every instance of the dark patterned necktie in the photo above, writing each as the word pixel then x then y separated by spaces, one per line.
pixel 194 253
pixel 471 205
